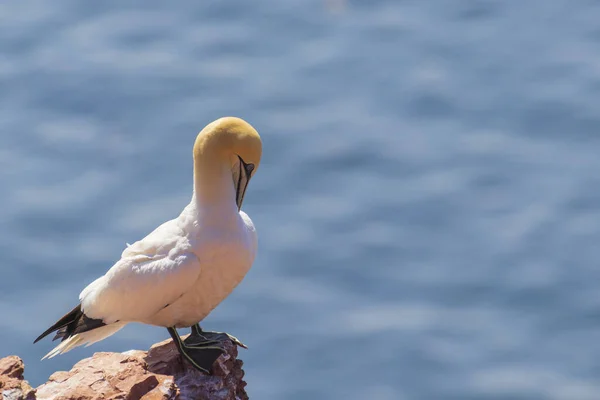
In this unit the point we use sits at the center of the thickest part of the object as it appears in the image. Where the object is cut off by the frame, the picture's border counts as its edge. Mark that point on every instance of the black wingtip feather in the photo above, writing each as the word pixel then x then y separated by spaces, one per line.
pixel 70 324
pixel 67 319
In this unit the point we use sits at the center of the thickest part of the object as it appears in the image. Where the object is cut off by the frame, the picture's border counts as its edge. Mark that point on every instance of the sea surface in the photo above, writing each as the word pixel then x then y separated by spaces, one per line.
pixel 428 205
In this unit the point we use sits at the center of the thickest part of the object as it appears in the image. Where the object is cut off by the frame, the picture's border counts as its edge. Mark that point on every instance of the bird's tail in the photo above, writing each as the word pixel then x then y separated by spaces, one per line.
pixel 86 338
pixel 76 329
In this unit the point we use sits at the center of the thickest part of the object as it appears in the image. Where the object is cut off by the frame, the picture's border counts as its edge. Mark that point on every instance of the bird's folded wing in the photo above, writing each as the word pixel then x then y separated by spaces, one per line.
pixel 139 286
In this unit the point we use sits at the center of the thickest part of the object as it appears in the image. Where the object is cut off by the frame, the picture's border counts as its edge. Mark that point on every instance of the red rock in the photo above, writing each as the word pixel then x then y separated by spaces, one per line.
pixel 158 374
pixel 12 384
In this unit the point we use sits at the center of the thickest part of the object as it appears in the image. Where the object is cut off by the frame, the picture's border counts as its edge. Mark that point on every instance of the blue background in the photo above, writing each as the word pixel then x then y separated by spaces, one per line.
pixel 428 204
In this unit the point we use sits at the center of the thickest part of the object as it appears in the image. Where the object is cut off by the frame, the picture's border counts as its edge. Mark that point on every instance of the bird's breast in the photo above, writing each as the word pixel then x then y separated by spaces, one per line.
pixel 225 258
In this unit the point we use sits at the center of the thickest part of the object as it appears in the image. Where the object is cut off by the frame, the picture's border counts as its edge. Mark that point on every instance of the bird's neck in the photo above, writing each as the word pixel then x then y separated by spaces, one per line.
pixel 214 192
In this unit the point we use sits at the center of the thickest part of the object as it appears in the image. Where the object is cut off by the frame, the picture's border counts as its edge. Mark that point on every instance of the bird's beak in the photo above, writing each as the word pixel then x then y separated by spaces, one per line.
pixel 241 183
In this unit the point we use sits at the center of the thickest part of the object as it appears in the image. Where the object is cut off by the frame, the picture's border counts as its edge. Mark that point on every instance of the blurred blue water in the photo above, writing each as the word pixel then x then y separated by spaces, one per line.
pixel 428 205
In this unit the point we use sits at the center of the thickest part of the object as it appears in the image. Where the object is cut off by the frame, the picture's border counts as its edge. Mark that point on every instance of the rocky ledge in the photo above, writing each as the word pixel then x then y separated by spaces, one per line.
pixel 156 374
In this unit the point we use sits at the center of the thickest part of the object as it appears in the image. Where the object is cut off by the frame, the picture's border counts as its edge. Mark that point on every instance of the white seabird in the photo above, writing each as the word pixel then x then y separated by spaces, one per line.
pixel 180 272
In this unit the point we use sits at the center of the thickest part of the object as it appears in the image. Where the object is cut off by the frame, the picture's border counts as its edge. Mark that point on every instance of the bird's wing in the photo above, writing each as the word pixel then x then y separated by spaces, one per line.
pixel 151 274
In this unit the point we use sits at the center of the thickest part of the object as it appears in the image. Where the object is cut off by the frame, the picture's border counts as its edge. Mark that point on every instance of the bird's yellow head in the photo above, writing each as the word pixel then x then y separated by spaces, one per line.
pixel 228 143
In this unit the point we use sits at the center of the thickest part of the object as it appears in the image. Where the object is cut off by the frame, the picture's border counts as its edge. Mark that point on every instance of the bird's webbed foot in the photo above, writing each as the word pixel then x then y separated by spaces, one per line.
pixel 201 353
pixel 207 336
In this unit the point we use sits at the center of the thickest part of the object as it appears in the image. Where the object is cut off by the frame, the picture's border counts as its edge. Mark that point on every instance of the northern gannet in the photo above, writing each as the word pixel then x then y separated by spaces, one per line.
pixel 176 275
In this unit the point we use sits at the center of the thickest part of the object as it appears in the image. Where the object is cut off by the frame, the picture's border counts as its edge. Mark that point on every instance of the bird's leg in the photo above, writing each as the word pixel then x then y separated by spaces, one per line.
pixel 201 354
pixel 197 332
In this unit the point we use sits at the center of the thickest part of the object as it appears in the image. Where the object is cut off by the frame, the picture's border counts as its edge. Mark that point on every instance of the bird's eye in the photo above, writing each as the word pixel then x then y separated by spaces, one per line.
pixel 249 168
